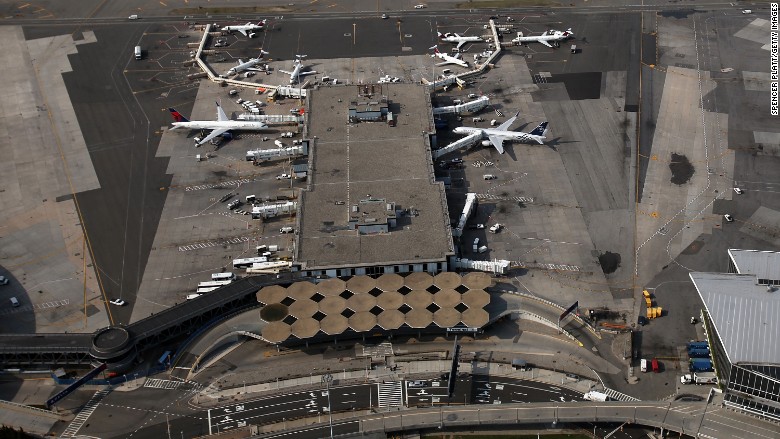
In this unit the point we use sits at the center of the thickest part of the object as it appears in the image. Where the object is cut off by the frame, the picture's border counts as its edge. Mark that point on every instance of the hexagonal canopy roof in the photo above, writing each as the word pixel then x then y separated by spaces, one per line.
pixel 305 328
pixel 447 280
pixel 301 290
pixel 390 319
pixel 362 321
pixel 419 318
pixel 475 317
pixel 361 284
pixel 477 280
pixel 447 298
pixel 334 324
pixel 446 317
pixel 390 300
pixel 331 287
pixel 418 280
pixel 276 332
pixel 271 294
pixel 303 308
pixel 389 282
pixel 418 299
pixel 332 305
pixel 361 302
pixel 476 298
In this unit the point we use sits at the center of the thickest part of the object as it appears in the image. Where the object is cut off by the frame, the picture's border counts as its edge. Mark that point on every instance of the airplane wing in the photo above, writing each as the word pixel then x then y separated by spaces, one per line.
pixel 285 71
pixel 444 63
pixel 545 43
pixel 240 61
pixel 505 126
pixel 213 134
pixel 498 142
pixel 310 72
pixel 221 116
pixel 460 44
pixel 243 31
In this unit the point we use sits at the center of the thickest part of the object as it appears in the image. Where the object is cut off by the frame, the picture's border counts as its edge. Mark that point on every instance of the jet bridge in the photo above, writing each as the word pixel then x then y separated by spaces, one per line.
pixel 468 209
pixel 465 142
pixel 466 107
pixel 274 209
pixel 270 154
pixel 496 266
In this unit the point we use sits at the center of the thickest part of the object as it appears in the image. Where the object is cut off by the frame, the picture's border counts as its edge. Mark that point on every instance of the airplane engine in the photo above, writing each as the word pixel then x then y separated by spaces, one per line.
pixel 251 34
pixel 486 143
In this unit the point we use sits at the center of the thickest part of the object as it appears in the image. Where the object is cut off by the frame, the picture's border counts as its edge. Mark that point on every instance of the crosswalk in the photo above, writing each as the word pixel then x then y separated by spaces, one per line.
pixel 496 197
pixel 156 383
pixel 618 396
pixel 390 394
pixel 85 413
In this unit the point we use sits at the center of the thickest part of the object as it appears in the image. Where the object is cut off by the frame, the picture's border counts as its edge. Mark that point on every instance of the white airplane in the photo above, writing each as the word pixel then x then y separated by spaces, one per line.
pixel 459 40
pixel 449 59
pixel 296 73
pixel 219 127
pixel 248 65
pixel 554 36
pixel 497 136
pixel 246 29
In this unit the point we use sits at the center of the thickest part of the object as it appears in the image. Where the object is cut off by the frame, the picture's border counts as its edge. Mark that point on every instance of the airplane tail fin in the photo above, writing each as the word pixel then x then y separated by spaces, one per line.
pixel 540 131
pixel 441 35
pixel 177 117
pixel 262 22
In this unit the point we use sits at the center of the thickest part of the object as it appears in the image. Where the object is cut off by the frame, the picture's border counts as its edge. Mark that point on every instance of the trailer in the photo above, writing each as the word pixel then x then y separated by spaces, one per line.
pixel 700 365
pixel 698 344
pixel 699 352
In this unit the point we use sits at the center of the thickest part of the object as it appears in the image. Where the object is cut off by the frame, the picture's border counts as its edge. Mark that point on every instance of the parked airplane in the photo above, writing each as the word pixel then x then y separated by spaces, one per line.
pixel 248 65
pixel 497 136
pixel 459 40
pixel 219 127
pixel 296 73
pixel 449 59
pixel 554 36
pixel 246 29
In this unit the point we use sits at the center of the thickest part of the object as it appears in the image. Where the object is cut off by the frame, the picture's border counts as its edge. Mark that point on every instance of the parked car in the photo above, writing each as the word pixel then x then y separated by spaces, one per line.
pixel 728 218
pixel 118 302
pixel 283 176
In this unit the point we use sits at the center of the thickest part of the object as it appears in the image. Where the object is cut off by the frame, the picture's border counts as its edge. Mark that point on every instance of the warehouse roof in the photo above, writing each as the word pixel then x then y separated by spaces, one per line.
pixel 746 316
pixel 763 264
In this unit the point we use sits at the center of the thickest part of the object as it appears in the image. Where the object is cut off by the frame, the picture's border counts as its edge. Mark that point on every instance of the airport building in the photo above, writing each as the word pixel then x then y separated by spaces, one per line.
pixel 742 322
pixel 372 205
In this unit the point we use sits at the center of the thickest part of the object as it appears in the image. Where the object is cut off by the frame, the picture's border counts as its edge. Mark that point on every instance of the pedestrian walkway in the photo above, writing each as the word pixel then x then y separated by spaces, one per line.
pixel 390 394
pixel 85 413
pixel 619 396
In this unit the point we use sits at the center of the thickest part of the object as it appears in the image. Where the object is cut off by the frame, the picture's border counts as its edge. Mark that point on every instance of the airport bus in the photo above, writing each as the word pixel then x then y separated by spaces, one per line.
pixel 223 276
pixel 204 290
pixel 248 262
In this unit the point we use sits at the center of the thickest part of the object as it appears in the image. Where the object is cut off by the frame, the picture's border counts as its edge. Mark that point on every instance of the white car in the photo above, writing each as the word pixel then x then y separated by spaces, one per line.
pixel 283 176
pixel 3 280
pixel 738 191
pixel 419 6
pixel 728 218
pixel 495 228
pixel 118 302
pixel 747 11
pixel 133 17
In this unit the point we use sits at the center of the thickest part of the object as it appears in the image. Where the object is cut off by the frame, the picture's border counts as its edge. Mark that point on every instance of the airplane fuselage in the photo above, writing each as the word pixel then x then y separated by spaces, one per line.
pixel 224 124
pixel 241 67
pixel 517 136
pixel 462 39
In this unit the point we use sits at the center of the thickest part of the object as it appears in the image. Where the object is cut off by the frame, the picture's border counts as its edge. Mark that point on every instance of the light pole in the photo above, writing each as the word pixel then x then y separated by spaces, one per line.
pixel 327 379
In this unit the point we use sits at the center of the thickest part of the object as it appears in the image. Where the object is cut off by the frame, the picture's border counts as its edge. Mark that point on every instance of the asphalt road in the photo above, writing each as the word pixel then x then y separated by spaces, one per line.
pixel 150 412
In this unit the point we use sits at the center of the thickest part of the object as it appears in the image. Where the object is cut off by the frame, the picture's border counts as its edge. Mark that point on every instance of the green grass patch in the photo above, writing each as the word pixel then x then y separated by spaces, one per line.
pixel 504 4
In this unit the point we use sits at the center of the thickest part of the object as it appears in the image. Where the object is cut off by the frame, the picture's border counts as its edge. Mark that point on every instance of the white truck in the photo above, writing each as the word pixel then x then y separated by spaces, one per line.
pixel 699 378
pixel 595 396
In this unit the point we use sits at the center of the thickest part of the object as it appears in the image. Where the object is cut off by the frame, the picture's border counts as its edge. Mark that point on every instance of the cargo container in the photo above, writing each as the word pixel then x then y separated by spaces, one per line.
pixel 699 353
pixel 698 344
pixel 700 365
pixel 699 378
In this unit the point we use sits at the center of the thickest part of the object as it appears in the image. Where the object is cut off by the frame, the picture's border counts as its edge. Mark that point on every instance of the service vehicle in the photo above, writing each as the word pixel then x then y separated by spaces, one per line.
pixel 699 378
pixel 118 302
pixel 595 396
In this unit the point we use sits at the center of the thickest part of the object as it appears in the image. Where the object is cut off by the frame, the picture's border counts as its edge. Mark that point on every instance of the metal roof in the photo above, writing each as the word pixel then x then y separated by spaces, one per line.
pixel 762 264
pixel 746 316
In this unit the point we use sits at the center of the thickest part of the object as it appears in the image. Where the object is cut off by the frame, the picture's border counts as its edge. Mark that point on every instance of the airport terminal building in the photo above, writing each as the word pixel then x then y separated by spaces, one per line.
pixel 742 323
pixel 371 205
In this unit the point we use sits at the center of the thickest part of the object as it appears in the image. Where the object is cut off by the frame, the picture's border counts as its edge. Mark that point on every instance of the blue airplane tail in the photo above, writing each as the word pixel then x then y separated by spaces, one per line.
pixel 540 130
pixel 177 117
